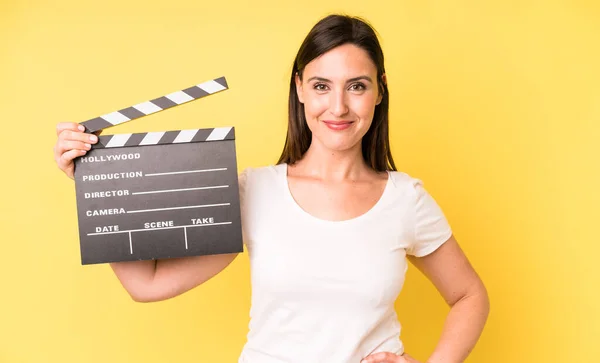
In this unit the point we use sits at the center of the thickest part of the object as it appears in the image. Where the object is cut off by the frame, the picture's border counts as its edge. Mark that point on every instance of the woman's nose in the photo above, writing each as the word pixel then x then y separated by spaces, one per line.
pixel 338 105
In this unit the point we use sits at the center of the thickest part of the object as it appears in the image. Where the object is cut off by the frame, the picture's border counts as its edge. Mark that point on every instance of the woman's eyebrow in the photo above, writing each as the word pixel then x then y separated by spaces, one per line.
pixel 325 80
pixel 320 79
pixel 365 78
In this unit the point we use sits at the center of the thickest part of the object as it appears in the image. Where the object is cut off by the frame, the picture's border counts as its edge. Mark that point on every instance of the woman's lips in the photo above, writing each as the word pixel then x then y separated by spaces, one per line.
pixel 337 125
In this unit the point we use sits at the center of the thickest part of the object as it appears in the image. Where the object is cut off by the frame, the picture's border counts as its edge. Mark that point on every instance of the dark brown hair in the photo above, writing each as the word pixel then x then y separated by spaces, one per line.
pixel 331 32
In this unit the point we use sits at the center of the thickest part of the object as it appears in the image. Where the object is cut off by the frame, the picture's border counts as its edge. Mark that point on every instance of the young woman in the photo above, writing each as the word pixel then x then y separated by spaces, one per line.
pixel 330 227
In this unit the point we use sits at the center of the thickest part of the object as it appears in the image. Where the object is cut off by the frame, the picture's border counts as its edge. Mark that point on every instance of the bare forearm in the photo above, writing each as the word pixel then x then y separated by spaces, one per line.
pixel 462 329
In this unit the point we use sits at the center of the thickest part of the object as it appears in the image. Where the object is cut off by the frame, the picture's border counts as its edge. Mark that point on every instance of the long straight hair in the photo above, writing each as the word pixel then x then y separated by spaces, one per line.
pixel 331 32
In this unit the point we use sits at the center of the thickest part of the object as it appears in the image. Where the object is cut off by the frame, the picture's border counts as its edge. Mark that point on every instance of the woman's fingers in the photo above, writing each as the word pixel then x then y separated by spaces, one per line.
pixel 71 143
pixel 407 358
pixel 62 146
pixel 68 126
pixel 68 145
pixel 383 357
pixel 67 158
pixel 69 140
pixel 65 161
pixel 386 357
pixel 78 136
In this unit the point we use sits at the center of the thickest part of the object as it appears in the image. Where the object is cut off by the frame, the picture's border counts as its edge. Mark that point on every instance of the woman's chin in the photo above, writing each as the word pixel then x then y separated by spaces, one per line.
pixel 340 146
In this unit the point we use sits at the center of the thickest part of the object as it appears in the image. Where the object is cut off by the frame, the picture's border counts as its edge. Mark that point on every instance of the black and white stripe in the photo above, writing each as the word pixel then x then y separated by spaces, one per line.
pixel 165 137
pixel 155 105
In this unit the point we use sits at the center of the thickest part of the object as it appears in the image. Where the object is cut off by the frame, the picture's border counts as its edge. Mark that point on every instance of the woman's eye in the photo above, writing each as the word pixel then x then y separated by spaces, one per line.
pixel 357 87
pixel 320 87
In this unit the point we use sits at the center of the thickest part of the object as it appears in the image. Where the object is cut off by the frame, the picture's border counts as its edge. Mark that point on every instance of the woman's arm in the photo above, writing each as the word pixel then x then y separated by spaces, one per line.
pixel 148 281
pixel 450 271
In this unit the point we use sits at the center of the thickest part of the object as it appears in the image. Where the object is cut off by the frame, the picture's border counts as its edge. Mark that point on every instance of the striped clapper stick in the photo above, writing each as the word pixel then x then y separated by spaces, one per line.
pixel 158 195
pixel 156 105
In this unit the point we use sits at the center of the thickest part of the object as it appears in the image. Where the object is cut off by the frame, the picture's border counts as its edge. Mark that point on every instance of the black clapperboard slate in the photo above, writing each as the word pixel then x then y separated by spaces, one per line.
pixel 158 195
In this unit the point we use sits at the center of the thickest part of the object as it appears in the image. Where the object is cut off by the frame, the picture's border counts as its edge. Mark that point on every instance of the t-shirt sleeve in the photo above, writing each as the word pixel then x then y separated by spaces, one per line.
pixel 431 227
pixel 243 190
pixel 242 181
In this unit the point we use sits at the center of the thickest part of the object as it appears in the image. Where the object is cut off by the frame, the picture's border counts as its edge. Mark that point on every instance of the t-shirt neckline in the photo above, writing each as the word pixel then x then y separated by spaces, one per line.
pixel 290 198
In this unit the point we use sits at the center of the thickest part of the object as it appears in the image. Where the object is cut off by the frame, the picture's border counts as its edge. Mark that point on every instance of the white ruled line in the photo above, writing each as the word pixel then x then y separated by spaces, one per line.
pixel 130 244
pixel 157 229
pixel 180 190
pixel 186 172
pixel 185 233
pixel 174 208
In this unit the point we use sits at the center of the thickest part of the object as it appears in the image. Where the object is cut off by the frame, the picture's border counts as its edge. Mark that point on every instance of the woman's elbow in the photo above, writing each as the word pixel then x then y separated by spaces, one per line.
pixel 144 296
pixel 148 296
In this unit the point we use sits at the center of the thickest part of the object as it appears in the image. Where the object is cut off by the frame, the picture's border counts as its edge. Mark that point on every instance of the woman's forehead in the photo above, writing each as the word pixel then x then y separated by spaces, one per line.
pixel 343 62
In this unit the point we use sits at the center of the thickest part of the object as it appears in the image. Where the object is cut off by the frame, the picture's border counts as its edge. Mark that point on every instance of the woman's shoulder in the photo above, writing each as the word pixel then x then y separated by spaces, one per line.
pixel 412 186
pixel 401 179
pixel 406 184
pixel 267 171
pixel 261 175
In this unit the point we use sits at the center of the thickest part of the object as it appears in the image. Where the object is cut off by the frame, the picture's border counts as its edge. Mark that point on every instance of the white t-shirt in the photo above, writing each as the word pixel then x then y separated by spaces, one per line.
pixel 324 291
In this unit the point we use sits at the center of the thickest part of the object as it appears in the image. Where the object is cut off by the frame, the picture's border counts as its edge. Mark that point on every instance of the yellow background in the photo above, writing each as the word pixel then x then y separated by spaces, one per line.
pixel 494 104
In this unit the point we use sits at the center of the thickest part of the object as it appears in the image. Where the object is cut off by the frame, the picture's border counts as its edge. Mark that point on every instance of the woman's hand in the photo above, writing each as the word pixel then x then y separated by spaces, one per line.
pixel 385 357
pixel 72 142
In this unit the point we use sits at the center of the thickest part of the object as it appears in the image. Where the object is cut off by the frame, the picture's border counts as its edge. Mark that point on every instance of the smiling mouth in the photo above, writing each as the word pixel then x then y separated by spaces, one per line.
pixel 338 125
pixel 343 122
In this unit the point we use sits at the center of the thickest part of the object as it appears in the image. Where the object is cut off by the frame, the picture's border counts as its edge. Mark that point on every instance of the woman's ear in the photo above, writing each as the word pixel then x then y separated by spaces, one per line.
pixel 381 88
pixel 299 88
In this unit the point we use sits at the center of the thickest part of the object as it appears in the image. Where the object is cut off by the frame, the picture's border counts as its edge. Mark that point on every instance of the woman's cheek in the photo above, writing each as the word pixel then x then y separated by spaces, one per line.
pixel 317 105
pixel 365 106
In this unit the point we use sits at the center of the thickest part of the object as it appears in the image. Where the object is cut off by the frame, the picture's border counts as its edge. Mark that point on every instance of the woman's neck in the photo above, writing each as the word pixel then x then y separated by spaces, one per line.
pixel 321 163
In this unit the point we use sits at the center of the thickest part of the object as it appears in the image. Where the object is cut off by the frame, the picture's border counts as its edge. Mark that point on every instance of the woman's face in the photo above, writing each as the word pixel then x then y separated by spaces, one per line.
pixel 339 91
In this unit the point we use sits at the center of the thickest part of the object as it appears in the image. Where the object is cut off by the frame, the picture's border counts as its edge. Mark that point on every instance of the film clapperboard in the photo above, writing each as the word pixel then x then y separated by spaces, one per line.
pixel 158 195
